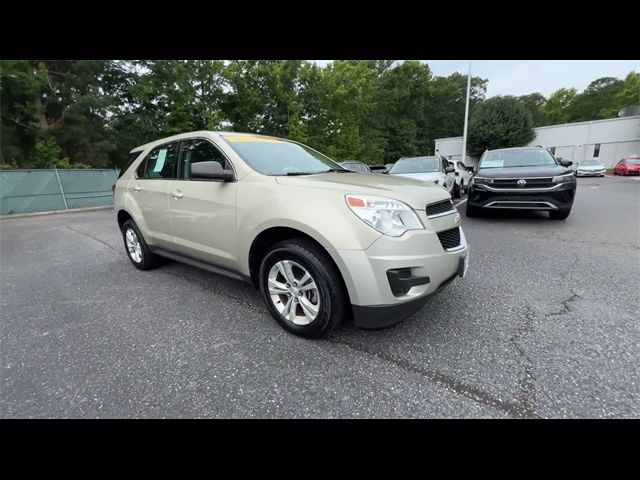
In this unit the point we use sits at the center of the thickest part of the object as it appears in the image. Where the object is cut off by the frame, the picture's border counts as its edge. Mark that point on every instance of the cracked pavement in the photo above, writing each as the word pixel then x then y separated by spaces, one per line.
pixel 545 325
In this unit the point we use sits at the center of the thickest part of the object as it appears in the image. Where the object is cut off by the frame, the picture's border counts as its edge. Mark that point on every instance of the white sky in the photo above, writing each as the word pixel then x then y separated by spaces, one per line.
pixel 521 77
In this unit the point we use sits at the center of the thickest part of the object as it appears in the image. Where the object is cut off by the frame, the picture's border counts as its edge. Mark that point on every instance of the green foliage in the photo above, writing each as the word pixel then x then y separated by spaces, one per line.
pixel 599 100
pixel 76 113
pixel 534 103
pixel 554 111
pixel 630 92
pixel 500 122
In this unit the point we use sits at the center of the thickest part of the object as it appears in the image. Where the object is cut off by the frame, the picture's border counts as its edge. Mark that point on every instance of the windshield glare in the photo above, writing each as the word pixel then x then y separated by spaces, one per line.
pixel 416 165
pixel 274 156
pixel 532 157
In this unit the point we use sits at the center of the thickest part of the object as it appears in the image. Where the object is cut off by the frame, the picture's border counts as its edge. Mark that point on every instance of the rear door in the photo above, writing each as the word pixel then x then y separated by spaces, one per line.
pixel 203 211
pixel 150 189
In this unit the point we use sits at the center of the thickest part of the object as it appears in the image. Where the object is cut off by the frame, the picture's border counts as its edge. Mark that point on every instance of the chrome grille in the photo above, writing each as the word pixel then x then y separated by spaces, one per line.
pixel 545 182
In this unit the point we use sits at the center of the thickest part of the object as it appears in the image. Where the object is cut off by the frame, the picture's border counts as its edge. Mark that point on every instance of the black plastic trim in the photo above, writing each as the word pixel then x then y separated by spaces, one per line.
pixel 401 280
pixel 178 257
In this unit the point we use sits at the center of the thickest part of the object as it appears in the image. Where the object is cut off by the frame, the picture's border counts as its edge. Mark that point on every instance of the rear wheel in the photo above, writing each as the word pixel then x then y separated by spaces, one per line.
pixel 137 249
pixel 302 288
pixel 559 214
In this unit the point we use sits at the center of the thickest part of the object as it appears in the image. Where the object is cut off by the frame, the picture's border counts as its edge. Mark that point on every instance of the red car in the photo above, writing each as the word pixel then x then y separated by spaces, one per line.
pixel 628 166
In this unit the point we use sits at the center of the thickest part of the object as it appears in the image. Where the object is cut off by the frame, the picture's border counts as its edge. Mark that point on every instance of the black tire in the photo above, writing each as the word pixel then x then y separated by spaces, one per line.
pixel 559 214
pixel 455 193
pixel 334 304
pixel 472 211
pixel 149 259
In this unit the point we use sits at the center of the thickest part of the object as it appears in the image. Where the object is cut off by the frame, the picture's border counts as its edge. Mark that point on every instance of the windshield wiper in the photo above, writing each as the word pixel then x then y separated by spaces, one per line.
pixel 301 173
pixel 339 170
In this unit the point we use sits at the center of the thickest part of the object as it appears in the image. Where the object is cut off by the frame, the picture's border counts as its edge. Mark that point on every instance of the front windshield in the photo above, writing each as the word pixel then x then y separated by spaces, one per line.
pixel 274 156
pixel 528 157
pixel 416 165
pixel 590 163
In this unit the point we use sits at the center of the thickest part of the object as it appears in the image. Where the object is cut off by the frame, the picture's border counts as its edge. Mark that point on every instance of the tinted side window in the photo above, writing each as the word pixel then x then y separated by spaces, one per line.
pixel 199 150
pixel 161 163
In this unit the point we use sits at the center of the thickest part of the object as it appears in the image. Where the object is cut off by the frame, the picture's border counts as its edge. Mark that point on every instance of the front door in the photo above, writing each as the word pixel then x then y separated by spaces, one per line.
pixel 203 212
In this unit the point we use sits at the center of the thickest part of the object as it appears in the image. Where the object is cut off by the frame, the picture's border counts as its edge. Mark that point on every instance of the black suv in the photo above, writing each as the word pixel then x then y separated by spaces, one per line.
pixel 526 178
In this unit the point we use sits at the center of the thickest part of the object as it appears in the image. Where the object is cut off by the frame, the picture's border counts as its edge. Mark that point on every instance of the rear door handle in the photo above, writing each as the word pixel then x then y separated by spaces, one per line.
pixel 177 194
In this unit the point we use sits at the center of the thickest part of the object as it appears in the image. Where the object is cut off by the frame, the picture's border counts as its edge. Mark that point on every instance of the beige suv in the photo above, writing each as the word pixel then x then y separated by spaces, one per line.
pixel 320 242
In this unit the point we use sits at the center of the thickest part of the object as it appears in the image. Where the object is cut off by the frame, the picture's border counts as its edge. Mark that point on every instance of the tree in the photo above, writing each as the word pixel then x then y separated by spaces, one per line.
pixel 554 111
pixel 601 99
pixel 534 103
pixel 630 92
pixel 499 122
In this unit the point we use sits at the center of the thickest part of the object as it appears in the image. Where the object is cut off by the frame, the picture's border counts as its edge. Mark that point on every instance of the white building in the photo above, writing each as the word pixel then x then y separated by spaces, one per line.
pixel 607 140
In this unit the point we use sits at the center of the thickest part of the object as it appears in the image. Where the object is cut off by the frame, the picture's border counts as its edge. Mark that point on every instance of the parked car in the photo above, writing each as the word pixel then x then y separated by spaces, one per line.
pixel 434 169
pixel 320 242
pixel 463 174
pixel 628 166
pixel 356 166
pixel 524 178
pixel 588 168
pixel 378 168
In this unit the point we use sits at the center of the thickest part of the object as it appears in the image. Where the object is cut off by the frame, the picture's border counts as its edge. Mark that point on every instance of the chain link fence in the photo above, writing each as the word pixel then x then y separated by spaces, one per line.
pixel 27 191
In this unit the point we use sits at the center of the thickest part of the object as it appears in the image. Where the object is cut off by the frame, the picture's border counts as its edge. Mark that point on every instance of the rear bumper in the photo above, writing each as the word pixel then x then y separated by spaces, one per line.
pixel 561 198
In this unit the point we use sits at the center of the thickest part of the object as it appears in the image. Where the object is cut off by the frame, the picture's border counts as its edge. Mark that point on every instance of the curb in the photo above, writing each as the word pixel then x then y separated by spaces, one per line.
pixel 55 212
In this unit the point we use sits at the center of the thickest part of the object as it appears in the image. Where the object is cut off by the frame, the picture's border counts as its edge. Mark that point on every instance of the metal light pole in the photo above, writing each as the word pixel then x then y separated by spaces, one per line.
pixel 466 117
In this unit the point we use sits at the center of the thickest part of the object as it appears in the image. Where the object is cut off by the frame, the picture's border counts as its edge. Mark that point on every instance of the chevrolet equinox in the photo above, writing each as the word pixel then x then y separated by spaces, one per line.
pixel 321 243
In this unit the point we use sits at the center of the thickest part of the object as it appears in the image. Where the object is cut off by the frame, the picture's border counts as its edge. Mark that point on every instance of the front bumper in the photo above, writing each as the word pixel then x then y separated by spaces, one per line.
pixel 381 316
pixel 419 257
pixel 589 173
pixel 526 199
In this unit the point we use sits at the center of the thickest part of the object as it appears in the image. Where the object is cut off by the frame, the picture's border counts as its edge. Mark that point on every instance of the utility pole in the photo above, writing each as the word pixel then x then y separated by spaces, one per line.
pixel 466 117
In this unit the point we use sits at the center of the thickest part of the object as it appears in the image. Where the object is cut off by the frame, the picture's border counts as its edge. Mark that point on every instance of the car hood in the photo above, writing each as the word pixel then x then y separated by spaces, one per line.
pixel 424 177
pixel 590 167
pixel 414 193
pixel 523 172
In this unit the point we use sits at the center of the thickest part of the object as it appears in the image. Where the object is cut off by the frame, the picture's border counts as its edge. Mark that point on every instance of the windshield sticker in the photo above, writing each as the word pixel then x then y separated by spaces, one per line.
pixel 492 163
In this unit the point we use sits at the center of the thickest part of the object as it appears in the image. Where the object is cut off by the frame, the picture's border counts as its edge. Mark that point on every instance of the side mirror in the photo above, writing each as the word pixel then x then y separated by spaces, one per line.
pixel 211 170
pixel 449 169
pixel 471 169
pixel 565 163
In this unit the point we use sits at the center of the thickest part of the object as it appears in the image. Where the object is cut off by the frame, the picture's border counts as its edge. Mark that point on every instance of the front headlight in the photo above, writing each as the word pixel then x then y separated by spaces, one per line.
pixel 482 180
pixel 567 177
pixel 388 216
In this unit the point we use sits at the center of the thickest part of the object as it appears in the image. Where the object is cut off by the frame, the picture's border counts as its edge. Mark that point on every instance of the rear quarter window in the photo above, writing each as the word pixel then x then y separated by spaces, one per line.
pixel 130 159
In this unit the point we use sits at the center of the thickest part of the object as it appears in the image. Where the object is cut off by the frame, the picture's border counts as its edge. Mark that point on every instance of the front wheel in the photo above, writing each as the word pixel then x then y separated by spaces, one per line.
pixel 302 288
pixel 472 211
pixel 559 214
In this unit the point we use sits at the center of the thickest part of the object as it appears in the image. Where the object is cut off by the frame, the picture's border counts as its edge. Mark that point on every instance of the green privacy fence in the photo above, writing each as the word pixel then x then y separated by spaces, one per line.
pixel 26 191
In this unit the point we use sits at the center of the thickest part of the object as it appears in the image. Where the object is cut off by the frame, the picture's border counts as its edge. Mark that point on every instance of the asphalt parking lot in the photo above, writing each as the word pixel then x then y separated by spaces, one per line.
pixel 546 324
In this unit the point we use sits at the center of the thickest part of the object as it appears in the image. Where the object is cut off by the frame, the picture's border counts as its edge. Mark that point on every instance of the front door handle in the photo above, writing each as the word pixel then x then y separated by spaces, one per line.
pixel 177 194
pixel 137 188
